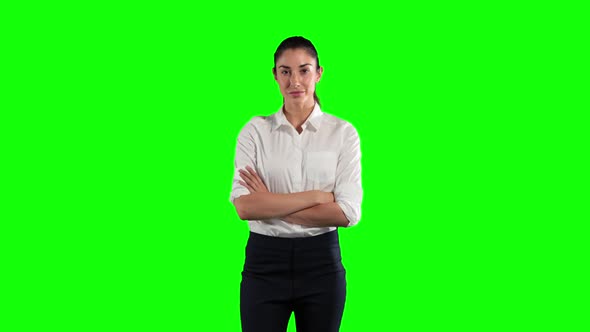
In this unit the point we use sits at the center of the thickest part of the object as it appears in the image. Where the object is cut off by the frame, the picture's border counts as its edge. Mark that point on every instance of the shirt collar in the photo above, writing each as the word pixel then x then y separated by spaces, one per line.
pixel 313 121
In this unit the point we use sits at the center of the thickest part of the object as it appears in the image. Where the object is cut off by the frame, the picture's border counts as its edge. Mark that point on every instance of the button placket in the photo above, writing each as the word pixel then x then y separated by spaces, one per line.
pixel 298 154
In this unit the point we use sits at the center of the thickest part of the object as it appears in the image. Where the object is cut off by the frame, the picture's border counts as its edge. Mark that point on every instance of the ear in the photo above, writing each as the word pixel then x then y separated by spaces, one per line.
pixel 320 72
pixel 274 73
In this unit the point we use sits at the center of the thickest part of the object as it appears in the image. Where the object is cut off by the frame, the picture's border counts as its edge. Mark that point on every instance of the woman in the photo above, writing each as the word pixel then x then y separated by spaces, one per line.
pixel 297 180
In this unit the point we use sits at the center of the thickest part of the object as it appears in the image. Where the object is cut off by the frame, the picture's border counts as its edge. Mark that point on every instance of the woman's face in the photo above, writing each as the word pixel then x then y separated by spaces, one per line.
pixel 297 74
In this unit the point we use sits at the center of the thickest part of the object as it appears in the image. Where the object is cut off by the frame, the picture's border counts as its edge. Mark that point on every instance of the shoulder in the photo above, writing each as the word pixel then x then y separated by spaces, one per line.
pixel 260 120
pixel 257 124
pixel 338 124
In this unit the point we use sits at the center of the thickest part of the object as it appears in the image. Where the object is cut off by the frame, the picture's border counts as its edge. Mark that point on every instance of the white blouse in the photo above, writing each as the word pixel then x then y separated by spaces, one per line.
pixel 326 156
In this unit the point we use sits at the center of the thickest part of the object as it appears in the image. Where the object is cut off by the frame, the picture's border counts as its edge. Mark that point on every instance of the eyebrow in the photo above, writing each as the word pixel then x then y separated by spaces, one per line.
pixel 300 66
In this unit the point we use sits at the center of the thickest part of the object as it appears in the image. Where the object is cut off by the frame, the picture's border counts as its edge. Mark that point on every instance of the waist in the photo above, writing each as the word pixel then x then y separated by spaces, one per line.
pixel 328 239
pixel 279 228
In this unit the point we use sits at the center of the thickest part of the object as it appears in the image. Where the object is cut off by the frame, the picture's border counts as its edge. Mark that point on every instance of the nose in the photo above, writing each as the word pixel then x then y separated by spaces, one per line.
pixel 294 80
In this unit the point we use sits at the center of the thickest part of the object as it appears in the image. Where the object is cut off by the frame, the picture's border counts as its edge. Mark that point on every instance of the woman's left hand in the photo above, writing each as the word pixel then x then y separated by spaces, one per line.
pixel 252 181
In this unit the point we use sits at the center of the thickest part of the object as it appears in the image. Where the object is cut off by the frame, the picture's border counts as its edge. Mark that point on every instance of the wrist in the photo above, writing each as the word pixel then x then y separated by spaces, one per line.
pixel 319 197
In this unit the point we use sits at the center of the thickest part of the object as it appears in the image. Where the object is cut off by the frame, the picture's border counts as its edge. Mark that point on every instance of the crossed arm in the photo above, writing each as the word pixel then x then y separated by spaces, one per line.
pixel 310 208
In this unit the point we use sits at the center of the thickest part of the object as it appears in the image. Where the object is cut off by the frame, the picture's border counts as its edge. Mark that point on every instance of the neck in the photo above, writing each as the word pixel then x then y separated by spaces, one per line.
pixel 296 114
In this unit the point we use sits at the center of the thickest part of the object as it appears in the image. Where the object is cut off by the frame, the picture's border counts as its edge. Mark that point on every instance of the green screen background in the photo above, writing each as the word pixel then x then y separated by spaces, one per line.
pixel 119 126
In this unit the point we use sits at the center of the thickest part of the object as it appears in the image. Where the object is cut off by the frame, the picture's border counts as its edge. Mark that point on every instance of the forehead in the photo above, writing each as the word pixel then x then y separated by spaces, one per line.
pixel 295 57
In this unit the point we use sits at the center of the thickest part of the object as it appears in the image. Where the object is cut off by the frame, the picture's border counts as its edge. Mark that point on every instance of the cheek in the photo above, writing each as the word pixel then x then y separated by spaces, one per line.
pixel 310 82
pixel 283 83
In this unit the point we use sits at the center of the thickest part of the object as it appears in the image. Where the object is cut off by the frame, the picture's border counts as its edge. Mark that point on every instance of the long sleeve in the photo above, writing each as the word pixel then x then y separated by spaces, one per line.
pixel 245 156
pixel 348 191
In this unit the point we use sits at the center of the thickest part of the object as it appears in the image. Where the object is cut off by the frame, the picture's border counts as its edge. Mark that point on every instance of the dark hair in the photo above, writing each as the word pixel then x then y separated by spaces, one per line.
pixel 294 43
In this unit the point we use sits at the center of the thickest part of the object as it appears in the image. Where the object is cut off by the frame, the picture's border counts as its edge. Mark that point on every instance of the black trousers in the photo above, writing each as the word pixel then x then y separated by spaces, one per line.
pixel 285 275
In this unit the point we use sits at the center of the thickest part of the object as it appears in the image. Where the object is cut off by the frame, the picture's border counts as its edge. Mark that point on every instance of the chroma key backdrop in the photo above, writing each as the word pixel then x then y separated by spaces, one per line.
pixel 119 125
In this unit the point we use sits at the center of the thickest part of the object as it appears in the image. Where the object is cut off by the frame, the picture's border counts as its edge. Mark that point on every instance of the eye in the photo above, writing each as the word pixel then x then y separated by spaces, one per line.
pixel 284 72
pixel 304 71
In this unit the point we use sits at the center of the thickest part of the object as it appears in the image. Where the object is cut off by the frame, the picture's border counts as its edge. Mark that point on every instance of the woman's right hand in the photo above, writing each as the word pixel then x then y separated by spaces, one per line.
pixel 252 180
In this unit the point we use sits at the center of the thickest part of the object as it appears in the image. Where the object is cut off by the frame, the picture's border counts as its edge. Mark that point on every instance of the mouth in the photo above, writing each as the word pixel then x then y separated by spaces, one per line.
pixel 296 93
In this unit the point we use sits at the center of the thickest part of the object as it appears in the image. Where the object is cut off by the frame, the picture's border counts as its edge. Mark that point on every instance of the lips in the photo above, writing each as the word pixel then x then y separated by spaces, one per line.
pixel 296 92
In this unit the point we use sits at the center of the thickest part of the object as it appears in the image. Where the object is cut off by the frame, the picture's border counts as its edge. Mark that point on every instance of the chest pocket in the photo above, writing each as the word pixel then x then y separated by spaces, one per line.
pixel 320 168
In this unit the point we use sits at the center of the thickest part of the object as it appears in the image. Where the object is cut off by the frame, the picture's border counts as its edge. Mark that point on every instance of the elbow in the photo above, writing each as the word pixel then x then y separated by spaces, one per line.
pixel 353 220
pixel 352 212
pixel 349 197
pixel 243 213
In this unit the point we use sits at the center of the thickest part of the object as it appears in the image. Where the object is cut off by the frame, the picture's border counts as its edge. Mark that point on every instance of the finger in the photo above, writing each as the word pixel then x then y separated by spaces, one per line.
pixel 255 176
pixel 249 180
pixel 246 176
pixel 250 189
pixel 250 169
pixel 251 173
pixel 253 179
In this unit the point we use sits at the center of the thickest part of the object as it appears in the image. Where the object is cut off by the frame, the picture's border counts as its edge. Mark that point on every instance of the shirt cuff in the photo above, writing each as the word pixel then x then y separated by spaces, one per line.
pixel 237 193
pixel 351 212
